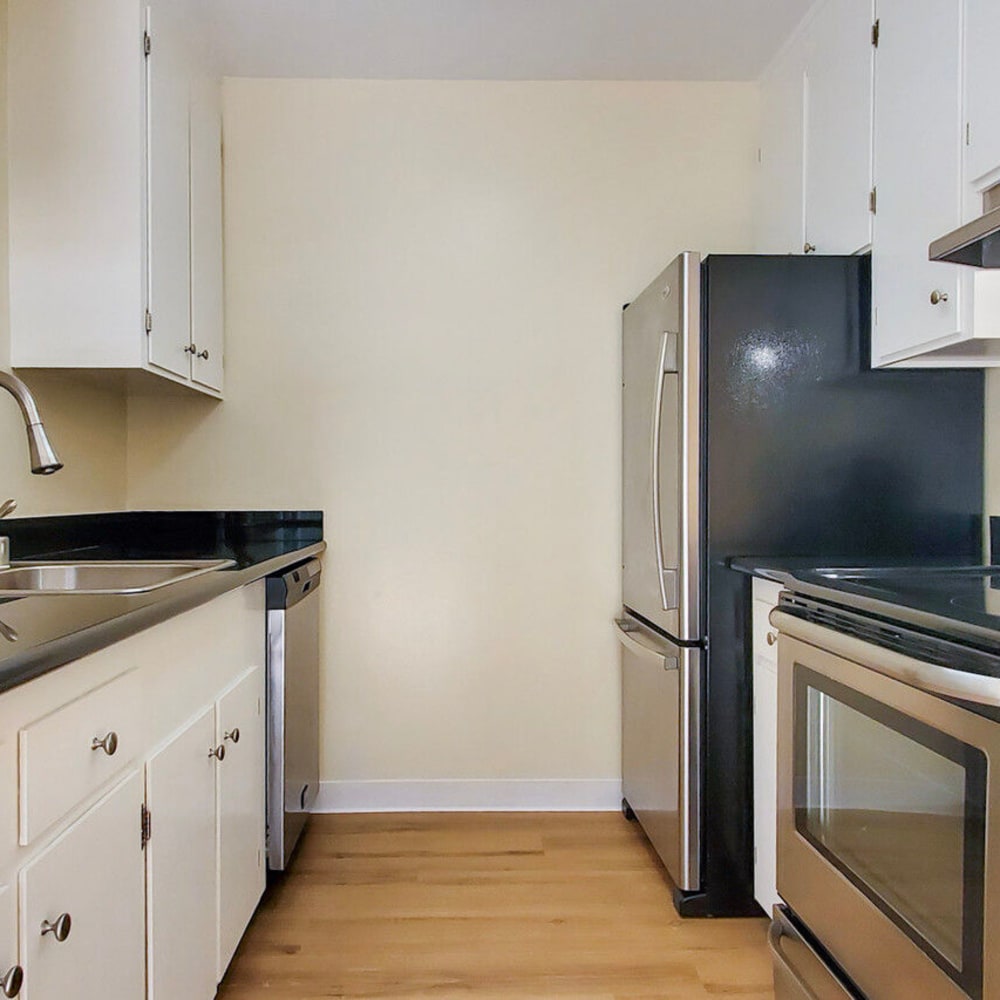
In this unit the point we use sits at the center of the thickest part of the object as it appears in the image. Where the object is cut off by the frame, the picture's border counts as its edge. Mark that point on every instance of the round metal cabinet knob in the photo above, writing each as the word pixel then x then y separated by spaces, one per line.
pixel 809 248
pixel 771 638
pixel 191 349
pixel 938 296
pixel 60 928
pixel 109 744
pixel 233 734
pixel 219 752
pixel 12 980
pixel 203 354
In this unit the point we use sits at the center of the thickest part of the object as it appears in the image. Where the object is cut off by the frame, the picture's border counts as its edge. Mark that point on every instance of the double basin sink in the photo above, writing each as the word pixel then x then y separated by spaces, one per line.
pixel 132 576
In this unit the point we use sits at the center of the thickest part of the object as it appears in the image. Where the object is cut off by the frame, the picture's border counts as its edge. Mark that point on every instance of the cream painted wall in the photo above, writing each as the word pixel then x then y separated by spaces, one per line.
pixel 87 424
pixel 424 284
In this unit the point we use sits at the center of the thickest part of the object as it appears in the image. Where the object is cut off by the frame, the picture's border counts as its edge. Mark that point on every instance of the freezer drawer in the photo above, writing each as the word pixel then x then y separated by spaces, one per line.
pixel 660 777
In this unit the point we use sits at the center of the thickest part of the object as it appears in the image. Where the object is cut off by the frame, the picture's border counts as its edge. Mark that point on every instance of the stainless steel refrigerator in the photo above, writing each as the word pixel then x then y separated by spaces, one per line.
pixel 753 426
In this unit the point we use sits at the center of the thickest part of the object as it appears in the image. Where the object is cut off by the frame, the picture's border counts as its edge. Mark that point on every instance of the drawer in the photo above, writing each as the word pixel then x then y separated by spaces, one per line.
pixel 761 630
pixel 766 590
pixel 60 760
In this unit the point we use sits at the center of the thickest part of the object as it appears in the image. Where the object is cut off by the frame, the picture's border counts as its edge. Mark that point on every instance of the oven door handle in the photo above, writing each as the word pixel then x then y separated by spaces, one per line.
pixel 928 677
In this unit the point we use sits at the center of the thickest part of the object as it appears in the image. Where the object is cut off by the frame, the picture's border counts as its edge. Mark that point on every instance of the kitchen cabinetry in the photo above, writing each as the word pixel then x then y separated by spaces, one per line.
pixel 838 116
pixel 982 96
pixel 181 860
pixel 917 304
pixel 81 920
pixel 816 135
pixel 765 745
pixel 159 907
pixel 240 730
pixel 11 973
pixel 115 189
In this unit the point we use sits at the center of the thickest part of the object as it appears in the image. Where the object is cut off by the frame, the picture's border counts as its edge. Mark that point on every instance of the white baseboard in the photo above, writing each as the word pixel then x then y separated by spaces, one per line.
pixel 486 795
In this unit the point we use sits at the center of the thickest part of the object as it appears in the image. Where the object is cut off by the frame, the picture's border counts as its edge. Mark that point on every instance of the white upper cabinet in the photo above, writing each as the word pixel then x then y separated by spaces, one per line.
pixel 816 135
pixel 838 128
pixel 779 226
pixel 982 95
pixel 115 189
pixel 917 304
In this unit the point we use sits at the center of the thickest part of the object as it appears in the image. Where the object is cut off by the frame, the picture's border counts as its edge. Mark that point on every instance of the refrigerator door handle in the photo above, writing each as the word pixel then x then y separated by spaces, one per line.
pixel 667 578
pixel 633 640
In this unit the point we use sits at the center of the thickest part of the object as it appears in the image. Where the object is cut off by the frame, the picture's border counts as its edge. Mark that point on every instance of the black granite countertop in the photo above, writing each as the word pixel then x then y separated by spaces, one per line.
pixel 54 630
pixel 949 598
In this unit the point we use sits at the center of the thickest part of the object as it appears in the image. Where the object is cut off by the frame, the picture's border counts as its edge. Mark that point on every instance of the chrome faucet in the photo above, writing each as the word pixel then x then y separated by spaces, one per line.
pixel 44 460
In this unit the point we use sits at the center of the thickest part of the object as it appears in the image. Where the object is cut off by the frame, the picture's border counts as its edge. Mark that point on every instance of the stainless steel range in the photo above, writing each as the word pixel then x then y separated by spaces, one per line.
pixel 888 735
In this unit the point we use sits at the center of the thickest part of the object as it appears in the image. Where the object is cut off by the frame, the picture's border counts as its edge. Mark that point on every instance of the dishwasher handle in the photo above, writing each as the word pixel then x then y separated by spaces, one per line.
pixel 287 589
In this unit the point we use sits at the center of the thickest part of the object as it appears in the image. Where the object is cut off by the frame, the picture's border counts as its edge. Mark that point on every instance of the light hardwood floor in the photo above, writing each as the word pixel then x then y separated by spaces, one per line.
pixel 484 906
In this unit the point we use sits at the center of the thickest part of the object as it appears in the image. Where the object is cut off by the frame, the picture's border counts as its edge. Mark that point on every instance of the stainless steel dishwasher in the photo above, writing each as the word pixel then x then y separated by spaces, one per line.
pixel 293 706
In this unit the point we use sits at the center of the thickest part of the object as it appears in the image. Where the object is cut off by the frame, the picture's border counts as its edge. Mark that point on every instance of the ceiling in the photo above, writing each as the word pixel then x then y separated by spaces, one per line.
pixel 504 39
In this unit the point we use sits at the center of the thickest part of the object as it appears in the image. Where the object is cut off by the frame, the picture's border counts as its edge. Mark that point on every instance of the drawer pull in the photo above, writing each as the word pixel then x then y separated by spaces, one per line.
pixel 219 752
pixel 60 929
pixel 12 980
pixel 109 744
pixel 772 638
pixel 233 734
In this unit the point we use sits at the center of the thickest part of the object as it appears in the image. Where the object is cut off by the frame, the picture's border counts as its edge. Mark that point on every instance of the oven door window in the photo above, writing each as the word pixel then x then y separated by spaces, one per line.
pixel 898 808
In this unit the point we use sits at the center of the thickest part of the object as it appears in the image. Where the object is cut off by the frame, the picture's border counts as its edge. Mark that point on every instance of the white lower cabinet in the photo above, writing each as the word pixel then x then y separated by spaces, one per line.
pixel 146 856
pixel 81 914
pixel 240 730
pixel 11 972
pixel 765 745
pixel 180 864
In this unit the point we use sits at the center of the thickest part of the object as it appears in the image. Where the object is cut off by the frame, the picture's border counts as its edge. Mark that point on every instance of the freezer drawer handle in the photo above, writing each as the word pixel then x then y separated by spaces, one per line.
pixel 632 641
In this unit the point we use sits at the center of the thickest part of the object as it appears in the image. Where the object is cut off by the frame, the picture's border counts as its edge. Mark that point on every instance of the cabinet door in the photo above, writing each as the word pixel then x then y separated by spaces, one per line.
pixel 168 198
pixel 916 302
pixel 10 971
pixel 94 873
pixel 206 233
pixel 765 751
pixel 982 95
pixel 779 196
pixel 838 116
pixel 180 859
pixel 240 720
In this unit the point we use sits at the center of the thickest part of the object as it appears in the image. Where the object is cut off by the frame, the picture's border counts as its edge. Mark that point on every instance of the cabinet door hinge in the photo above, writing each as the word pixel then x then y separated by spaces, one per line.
pixel 876 31
pixel 149 322
pixel 873 200
pixel 147 43
pixel 147 826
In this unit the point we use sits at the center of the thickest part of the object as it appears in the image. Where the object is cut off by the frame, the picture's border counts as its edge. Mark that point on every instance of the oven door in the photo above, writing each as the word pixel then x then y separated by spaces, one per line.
pixel 883 808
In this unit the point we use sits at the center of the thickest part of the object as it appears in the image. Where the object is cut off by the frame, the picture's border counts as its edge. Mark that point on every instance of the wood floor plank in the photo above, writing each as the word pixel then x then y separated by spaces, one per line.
pixel 487 907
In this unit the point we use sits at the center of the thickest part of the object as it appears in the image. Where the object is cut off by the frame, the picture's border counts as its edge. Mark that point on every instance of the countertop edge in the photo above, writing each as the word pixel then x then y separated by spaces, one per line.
pixel 178 598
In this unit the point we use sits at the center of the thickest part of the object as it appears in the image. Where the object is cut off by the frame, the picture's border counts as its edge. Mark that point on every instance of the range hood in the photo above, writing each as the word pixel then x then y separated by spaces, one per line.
pixel 977 243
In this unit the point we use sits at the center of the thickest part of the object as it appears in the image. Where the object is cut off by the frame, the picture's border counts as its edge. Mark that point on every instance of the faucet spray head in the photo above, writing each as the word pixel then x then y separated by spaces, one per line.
pixel 44 460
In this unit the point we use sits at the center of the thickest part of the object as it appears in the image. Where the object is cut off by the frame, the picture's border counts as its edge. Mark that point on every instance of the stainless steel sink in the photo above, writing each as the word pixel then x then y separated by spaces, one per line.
pixel 126 577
